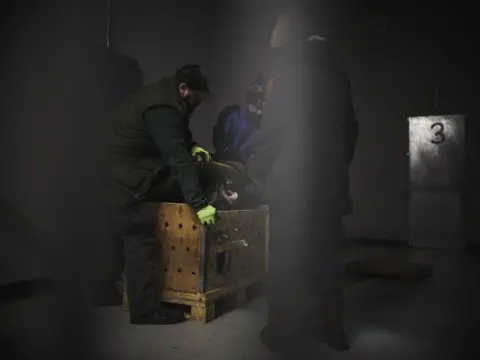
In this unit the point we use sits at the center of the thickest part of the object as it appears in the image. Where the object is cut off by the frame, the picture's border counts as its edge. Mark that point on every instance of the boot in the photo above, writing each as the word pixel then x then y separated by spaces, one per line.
pixel 279 341
pixel 332 332
pixel 285 332
pixel 273 341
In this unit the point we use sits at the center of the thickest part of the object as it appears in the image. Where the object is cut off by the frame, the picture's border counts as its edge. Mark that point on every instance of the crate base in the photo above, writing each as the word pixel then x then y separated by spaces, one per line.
pixel 212 309
pixel 206 307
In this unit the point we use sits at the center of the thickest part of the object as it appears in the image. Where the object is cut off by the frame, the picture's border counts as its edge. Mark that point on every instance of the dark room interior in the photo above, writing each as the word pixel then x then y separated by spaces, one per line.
pixel 411 259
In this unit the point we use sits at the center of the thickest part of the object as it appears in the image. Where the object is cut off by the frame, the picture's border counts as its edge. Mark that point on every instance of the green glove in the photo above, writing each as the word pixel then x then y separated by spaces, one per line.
pixel 207 215
pixel 201 154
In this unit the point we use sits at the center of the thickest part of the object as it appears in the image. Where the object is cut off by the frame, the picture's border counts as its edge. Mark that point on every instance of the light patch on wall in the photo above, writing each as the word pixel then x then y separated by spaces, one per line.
pixel 436 145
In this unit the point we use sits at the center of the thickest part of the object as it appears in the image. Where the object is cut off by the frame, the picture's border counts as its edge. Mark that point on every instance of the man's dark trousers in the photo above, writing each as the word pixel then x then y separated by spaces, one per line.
pixel 305 260
pixel 135 226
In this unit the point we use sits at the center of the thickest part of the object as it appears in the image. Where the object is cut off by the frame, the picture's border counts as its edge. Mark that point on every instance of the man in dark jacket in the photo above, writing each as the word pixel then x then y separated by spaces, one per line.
pixel 150 142
pixel 236 125
pixel 300 162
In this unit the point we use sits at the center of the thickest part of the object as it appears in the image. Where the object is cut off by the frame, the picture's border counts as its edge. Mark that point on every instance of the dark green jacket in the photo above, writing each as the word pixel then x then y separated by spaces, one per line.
pixel 135 160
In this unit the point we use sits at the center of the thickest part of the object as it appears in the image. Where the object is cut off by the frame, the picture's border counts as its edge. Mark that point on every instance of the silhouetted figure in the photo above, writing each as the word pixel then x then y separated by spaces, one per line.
pixel 300 162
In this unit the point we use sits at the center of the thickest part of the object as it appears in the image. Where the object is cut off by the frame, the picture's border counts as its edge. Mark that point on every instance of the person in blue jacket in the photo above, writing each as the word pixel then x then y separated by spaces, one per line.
pixel 237 125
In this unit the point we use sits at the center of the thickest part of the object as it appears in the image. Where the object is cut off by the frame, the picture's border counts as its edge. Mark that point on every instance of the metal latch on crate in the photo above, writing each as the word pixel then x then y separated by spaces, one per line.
pixel 223 254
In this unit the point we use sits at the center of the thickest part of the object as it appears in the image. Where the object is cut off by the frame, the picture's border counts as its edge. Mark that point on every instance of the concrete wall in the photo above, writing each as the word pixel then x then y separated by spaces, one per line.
pixel 394 75
pixel 53 86
pixel 54 76
pixel 395 68
pixel 396 79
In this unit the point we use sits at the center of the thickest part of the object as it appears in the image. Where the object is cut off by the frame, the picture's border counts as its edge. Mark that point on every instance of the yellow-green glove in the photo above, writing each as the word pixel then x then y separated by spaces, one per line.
pixel 201 154
pixel 207 215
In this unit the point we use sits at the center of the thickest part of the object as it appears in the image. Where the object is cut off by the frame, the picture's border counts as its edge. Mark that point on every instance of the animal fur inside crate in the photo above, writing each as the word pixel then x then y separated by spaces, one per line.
pixel 198 267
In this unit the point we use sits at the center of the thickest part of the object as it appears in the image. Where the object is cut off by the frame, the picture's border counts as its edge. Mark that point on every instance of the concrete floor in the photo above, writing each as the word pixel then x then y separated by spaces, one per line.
pixel 386 320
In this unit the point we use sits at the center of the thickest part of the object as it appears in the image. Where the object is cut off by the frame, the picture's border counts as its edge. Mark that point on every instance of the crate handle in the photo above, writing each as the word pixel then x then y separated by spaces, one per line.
pixel 225 266
pixel 241 243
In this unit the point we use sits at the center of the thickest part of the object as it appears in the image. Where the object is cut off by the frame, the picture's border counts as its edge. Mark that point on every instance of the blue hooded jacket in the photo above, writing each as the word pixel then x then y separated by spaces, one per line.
pixel 233 134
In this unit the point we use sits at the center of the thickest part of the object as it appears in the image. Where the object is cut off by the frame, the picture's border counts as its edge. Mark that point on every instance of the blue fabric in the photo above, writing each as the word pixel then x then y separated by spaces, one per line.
pixel 240 132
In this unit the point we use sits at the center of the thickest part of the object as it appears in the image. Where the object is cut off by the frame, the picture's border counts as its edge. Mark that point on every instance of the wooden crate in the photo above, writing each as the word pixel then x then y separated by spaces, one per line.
pixel 198 268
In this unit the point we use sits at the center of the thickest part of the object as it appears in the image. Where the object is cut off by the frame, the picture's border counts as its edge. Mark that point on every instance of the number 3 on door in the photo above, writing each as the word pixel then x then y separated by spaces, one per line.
pixel 439 134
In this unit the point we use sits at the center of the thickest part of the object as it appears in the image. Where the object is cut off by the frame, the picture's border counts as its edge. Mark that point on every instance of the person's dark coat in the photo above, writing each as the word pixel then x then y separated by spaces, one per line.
pixel 308 131
pixel 137 157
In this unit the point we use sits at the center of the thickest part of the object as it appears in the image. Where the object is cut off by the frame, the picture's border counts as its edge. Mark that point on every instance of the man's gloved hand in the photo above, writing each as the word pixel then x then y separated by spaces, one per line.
pixel 207 215
pixel 201 154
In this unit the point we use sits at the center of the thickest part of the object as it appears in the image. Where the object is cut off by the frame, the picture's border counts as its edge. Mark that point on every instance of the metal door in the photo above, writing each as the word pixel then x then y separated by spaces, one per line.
pixel 437 152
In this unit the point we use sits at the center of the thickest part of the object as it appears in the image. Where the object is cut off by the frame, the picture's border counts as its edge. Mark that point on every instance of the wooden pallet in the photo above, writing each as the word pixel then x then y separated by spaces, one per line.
pixel 208 310
pixel 206 307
